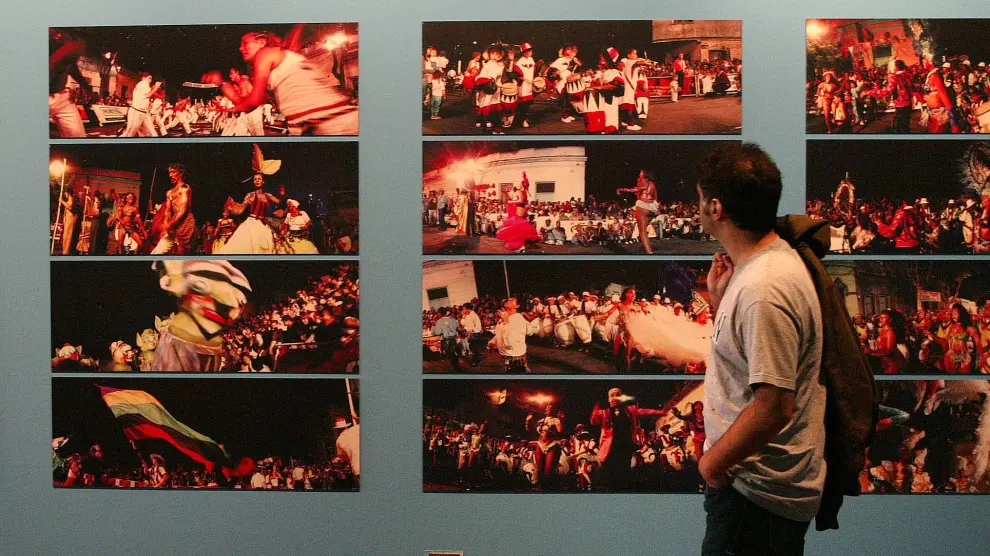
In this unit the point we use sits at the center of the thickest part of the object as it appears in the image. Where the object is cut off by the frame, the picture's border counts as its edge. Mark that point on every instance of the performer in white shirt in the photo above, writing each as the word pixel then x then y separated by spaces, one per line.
pixel 526 67
pixel 570 91
pixel 471 323
pixel 138 120
pixel 297 226
pixel 510 338
pixel 488 84
pixel 631 74
pixel 304 94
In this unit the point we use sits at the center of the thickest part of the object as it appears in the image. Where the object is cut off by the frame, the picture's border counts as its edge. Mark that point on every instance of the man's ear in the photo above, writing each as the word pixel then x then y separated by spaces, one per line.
pixel 715 209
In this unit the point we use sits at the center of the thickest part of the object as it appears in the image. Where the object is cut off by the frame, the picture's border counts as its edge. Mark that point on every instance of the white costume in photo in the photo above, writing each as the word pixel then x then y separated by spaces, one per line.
pixel 138 120
pixel 488 101
pixel 667 336
pixel 600 106
pixel 252 237
pixel 309 100
pixel 298 242
pixel 64 112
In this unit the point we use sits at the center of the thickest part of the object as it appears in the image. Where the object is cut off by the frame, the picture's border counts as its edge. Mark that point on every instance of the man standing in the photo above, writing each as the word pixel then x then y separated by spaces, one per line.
pixel 620 438
pixel 680 67
pixel 177 223
pixel 442 211
pixel 471 323
pixel 510 338
pixel 447 328
pixel 138 118
pixel 764 406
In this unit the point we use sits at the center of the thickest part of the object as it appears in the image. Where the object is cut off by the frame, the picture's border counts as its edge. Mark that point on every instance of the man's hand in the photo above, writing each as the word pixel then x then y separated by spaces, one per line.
pixel 713 477
pixel 718 278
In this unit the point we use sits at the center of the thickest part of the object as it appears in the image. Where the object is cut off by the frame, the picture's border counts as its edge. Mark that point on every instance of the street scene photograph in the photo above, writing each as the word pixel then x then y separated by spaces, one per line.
pixel 204 199
pixel 661 77
pixel 203 80
pixel 565 317
pixel 205 316
pixel 879 76
pixel 206 435
pixel 562 436
pixel 902 197
pixel 564 197
pixel 919 317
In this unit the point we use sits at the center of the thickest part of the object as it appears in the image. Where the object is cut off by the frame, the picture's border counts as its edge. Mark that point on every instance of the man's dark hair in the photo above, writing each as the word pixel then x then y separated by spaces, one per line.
pixel 468 307
pixel 648 174
pixel 744 178
pixel 442 311
pixel 899 64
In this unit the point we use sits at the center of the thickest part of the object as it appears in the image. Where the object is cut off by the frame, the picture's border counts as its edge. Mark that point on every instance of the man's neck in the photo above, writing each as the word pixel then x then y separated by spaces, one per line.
pixel 741 246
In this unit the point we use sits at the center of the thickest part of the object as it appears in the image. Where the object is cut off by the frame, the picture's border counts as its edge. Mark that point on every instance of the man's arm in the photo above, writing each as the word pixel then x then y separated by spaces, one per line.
pixel 757 425
pixel 772 342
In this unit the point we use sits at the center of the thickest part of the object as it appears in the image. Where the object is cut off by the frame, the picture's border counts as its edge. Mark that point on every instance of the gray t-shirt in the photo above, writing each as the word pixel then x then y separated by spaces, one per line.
pixel 768 330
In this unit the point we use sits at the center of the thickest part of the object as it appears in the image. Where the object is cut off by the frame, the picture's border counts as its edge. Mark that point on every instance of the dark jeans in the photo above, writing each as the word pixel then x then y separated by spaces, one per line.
pixel 442 224
pixel 734 525
pixel 902 119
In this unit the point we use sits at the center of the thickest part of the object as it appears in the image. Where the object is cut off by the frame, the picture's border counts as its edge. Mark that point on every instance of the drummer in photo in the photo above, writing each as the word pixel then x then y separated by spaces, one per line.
pixel 602 99
pixel 526 68
pixel 488 83
pixel 564 71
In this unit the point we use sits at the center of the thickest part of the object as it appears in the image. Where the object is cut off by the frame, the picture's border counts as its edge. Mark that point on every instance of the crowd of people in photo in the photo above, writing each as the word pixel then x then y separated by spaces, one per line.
pixel 952 96
pixel 281 87
pixel 615 450
pixel 86 221
pixel 884 225
pixel 932 437
pixel 321 318
pixel 573 222
pixel 948 340
pixel 610 94
pixel 619 327
pixel 89 470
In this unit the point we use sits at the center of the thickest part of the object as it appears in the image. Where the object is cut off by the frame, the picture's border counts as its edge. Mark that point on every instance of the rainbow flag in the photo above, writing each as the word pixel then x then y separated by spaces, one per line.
pixel 143 417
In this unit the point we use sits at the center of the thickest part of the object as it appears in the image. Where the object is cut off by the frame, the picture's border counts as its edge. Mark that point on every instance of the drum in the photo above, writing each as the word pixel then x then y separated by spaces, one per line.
pixel 575 85
pixel 510 89
pixel 539 84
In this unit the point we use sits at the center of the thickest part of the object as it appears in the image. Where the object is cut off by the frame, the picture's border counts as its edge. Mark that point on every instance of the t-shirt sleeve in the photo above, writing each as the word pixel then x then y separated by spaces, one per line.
pixel 771 341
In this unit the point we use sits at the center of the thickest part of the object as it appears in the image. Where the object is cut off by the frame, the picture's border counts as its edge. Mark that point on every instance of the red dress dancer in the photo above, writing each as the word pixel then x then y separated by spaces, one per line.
pixel 517 229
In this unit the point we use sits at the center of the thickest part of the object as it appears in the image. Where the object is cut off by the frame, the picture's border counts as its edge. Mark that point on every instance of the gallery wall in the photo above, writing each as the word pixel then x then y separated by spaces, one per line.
pixel 391 514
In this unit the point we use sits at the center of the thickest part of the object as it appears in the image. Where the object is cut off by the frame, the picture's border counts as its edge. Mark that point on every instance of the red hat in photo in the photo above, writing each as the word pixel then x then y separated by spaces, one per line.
pixel 525 46
pixel 613 54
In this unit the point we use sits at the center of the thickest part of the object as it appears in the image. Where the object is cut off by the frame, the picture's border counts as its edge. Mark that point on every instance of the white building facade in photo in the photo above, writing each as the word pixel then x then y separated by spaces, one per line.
pixel 554 173
pixel 447 283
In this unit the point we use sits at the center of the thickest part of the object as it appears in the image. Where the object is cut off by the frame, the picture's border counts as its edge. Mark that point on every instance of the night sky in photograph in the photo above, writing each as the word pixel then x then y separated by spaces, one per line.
pixel 179 53
pixel 216 170
pixel 610 165
pixel 456 38
pixel 96 304
pixel 961 36
pixel 251 418
pixel 893 169
pixel 545 278
pixel 469 400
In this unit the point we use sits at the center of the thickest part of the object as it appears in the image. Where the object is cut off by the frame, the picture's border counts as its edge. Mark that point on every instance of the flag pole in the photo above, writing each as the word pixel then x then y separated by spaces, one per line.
pixel 151 194
pixel 505 271
pixel 350 401
pixel 58 211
